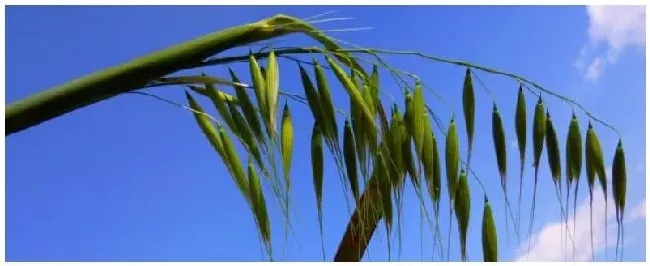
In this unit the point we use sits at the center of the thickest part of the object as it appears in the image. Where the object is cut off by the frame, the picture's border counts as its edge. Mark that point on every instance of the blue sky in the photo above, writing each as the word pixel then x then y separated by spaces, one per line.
pixel 133 179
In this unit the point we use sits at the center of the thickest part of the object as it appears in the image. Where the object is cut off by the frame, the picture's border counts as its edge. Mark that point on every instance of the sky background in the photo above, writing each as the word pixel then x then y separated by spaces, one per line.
pixel 133 178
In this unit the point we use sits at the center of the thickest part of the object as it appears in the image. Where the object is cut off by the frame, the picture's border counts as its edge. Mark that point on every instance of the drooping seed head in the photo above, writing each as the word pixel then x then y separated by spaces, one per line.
pixel 553 150
pixel 499 139
pixel 462 207
pixel 468 107
pixel 619 177
pixel 489 234
pixel 539 130
pixel 452 158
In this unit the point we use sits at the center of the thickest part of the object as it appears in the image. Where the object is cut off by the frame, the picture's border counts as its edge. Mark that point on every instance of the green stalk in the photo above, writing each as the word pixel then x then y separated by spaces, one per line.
pixel 135 74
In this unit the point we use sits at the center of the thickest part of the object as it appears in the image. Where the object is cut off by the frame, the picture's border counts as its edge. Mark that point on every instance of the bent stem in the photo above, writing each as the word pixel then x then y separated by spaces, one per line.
pixel 137 73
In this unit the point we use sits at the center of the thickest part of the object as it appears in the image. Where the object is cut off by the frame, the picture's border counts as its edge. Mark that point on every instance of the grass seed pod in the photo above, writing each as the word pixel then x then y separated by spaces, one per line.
pixel 349 154
pixel 436 187
pixel 573 157
pixel 418 116
pixel 359 132
pixel 206 126
pixel 259 205
pixel 468 109
pixel 352 90
pixel 520 130
pixel 596 152
pixel 462 207
pixel 313 100
pixel 371 137
pixel 219 104
pixel 553 150
pixel 619 183
pixel 318 172
pixel 374 85
pixel 408 160
pixel 272 90
pixel 385 195
pixel 428 157
pixel 214 137
pixel 258 83
pixel 408 114
pixel 287 144
pixel 330 126
pixel 489 234
pixel 248 108
pixel 595 166
pixel 242 129
pixel 396 137
pixel 235 163
pixel 539 132
pixel 317 162
pixel 499 139
pixel 452 158
pixel 619 178
pixel 573 150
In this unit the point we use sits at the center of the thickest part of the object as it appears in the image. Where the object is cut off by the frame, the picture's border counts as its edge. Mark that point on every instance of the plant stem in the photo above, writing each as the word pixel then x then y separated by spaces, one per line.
pixel 129 76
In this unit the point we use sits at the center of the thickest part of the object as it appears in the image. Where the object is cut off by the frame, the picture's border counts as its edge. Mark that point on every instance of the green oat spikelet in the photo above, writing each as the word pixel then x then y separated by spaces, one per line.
pixel 418 116
pixel 214 137
pixel 553 150
pixel 554 160
pixel 330 125
pixel 520 129
pixel 258 204
pixel 349 153
pixel 595 166
pixel 287 144
pixel 619 187
pixel 235 163
pixel 259 84
pixel 462 206
pixel 539 132
pixel 573 160
pixel 352 90
pixel 313 99
pixel 469 110
pixel 248 109
pixel 243 130
pixel 318 172
pixel 489 234
pixel 452 158
pixel 427 158
pixel 286 151
pixel 499 140
pixel 272 90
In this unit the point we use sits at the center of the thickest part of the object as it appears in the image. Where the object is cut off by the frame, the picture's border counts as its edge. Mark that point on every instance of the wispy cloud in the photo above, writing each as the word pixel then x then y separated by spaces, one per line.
pixel 619 27
pixel 546 244
pixel 595 69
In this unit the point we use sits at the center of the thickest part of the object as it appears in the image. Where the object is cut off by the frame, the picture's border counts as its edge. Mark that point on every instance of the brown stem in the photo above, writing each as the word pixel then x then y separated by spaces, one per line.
pixel 361 228
pixel 363 222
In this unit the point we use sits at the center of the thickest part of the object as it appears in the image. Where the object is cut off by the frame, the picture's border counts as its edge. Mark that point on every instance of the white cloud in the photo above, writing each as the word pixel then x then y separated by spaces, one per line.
pixel 619 27
pixel 595 69
pixel 547 244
